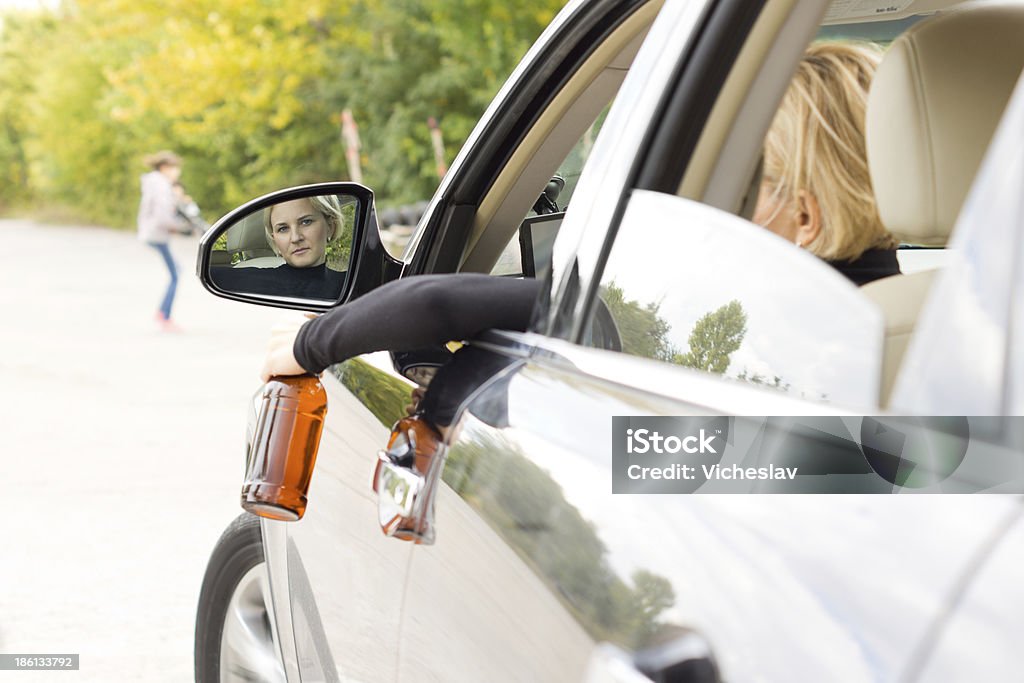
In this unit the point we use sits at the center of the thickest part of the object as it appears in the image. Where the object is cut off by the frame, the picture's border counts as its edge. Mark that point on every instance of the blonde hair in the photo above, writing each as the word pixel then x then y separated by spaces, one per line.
pixel 816 145
pixel 328 206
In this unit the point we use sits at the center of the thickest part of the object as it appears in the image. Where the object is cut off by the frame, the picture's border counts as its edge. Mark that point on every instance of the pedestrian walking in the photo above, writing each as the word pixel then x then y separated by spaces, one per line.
pixel 159 219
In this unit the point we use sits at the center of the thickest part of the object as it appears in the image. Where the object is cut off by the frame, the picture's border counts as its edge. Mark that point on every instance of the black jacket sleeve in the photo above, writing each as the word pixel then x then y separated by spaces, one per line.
pixel 416 312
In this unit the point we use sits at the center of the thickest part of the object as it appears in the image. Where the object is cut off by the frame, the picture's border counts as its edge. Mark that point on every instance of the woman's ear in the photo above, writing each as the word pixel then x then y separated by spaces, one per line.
pixel 808 218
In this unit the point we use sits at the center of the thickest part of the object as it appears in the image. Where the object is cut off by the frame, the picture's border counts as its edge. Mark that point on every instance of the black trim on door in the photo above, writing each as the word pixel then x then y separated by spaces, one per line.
pixel 580 35
pixel 675 129
pixel 698 84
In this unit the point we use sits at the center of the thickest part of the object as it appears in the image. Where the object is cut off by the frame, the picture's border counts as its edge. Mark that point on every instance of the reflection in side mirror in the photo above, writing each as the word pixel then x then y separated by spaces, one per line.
pixel 290 246
pixel 296 248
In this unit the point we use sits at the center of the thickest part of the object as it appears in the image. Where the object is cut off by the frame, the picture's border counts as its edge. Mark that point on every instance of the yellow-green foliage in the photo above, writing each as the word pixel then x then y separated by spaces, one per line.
pixel 249 92
pixel 385 396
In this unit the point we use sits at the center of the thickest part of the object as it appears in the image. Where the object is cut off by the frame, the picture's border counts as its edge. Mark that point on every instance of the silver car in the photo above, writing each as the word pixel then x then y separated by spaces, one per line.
pixel 530 566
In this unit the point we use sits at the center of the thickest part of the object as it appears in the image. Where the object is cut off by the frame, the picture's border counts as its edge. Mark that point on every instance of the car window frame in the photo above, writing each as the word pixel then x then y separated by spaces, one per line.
pixel 438 243
pixel 627 140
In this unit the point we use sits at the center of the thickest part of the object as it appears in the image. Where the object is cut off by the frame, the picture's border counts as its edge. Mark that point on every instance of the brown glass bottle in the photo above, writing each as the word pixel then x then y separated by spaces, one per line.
pixel 284 445
pixel 406 478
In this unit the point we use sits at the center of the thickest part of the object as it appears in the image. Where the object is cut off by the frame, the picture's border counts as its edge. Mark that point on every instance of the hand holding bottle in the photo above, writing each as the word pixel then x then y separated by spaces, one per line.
pixel 280 358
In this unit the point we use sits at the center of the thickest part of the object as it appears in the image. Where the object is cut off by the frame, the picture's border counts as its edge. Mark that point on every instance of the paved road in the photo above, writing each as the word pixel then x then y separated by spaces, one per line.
pixel 120 448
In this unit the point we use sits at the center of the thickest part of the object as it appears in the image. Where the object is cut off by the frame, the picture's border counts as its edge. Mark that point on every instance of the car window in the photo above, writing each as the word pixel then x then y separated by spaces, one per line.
pixel 696 287
pixel 537 235
pixel 571 168
pixel 746 316
pixel 528 254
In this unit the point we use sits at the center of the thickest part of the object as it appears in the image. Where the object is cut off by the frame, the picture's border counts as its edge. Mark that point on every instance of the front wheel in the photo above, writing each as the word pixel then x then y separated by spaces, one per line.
pixel 234 638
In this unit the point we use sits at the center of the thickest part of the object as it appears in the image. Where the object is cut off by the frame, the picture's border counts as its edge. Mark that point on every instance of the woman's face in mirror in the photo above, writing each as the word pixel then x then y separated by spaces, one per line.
pixel 300 233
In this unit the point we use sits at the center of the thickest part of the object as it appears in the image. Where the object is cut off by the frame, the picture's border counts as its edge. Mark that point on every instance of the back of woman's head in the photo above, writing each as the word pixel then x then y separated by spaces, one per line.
pixel 816 145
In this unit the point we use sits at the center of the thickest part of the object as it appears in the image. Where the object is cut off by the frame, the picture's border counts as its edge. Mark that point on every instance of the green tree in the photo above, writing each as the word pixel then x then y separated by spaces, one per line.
pixel 241 87
pixel 714 339
pixel 642 331
pixel 19 69
pixel 250 94
pixel 418 59
pixel 80 153
pixel 652 595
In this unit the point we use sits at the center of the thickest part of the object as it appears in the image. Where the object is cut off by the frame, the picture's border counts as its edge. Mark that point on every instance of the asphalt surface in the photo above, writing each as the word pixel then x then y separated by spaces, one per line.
pixel 121 448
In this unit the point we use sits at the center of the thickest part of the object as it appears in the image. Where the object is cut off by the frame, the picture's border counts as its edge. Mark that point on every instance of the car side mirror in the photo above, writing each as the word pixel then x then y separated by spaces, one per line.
pixel 536 241
pixel 307 247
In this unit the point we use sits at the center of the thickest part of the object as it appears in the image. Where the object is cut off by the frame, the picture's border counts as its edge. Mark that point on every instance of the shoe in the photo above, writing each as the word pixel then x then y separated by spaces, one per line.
pixel 160 318
pixel 168 325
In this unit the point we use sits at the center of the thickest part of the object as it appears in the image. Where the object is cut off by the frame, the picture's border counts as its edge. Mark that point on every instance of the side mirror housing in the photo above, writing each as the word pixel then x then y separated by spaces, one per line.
pixel 308 248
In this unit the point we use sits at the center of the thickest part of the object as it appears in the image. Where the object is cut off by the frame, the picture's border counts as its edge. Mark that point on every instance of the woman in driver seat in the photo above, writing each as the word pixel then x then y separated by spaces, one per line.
pixel 816 191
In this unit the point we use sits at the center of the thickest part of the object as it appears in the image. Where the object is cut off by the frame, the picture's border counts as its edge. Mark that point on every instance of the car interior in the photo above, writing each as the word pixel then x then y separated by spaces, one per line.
pixel 932 113
pixel 947 75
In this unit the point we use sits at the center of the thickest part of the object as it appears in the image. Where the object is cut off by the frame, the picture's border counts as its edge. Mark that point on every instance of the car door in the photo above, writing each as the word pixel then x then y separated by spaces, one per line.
pixel 537 562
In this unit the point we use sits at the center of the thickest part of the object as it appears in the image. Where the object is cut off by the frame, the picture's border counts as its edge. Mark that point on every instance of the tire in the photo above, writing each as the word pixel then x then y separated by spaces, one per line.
pixel 234 640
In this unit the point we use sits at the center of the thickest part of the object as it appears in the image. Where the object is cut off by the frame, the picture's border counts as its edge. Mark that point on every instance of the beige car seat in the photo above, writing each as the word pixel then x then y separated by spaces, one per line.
pixel 934 105
pixel 249 240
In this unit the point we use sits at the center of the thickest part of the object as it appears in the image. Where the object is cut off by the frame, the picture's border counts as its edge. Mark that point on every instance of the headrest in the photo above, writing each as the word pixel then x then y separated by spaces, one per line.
pixel 934 105
pixel 250 236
